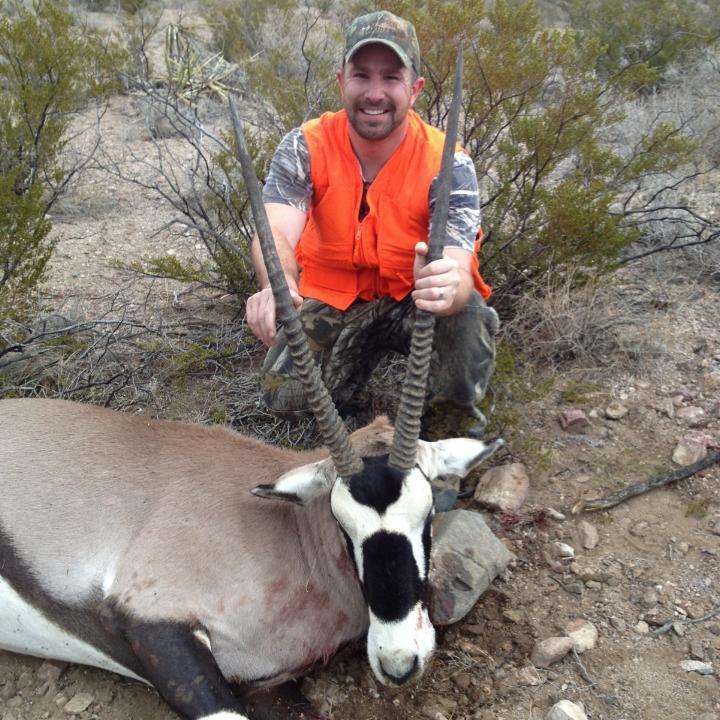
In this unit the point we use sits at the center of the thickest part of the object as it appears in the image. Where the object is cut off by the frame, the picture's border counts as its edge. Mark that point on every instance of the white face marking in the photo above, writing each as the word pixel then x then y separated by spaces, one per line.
pixel 393 646
pixel 396 647
pixel 406 516
pixel 224 715
pixel 23 629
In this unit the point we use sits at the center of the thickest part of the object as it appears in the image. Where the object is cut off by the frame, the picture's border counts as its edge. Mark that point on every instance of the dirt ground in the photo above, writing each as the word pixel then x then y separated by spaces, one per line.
pixel 657 558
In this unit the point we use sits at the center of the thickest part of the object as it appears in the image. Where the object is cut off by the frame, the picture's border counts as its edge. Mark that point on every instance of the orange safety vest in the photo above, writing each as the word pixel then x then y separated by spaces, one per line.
pixel 342 258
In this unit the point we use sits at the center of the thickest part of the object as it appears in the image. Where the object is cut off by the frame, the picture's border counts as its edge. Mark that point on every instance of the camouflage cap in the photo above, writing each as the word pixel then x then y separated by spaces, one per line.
pixel 388 29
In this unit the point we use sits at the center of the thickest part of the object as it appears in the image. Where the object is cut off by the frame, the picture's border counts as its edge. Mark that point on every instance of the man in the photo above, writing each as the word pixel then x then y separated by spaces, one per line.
pixel 349 198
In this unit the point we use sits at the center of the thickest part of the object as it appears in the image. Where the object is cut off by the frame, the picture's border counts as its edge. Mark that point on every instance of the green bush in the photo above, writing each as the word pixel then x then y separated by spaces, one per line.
pixel 49 70
pixel 641 38
pixel 537 118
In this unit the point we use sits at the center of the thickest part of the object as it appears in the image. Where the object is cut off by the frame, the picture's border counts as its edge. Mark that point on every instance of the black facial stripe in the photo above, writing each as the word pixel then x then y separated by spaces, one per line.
pixel 95 621
pixel 427 542
pixel 391 578
pixel 377 485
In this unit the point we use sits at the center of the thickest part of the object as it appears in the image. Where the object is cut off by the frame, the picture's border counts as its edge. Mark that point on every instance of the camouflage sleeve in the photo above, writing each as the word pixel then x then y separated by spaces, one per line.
pixel 464 212
pixel 289 181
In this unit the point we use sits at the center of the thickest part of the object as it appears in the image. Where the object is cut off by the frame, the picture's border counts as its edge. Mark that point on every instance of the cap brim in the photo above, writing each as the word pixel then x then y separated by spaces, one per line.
pixel 405 59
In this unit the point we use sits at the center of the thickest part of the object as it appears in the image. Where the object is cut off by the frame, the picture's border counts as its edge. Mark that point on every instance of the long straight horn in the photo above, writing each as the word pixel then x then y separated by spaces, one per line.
pixel 412 398
pixel 332 428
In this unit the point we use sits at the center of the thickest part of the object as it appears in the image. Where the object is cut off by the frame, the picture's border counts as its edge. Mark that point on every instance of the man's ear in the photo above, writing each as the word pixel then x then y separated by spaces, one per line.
pixel 416 89
pixel 301 484
pixel 455 456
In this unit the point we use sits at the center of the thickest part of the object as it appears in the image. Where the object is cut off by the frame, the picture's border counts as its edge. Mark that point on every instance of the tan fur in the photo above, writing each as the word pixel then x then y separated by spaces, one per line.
pixel 159 514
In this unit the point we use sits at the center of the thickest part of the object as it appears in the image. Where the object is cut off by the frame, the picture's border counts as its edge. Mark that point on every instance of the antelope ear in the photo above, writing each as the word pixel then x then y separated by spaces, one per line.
pixel 301 484
pixel 455 456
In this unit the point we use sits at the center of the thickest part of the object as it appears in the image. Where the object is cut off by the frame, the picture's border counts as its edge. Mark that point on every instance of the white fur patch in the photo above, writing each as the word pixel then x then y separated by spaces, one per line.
pixel 393 646
pixel 454 456
pixel 203 637
pixel 224 715
pixel 23 629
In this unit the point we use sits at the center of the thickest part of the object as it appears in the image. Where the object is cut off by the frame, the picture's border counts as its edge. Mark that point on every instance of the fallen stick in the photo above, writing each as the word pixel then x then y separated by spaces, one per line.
pixel 645 486
pixel 686 621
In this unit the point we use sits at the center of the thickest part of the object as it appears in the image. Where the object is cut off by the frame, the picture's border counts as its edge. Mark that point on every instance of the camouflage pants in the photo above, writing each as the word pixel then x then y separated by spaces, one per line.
pixel 348 346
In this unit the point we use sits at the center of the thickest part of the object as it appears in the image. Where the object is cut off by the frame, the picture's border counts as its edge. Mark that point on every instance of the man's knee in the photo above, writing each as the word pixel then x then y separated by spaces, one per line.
pixel 283 396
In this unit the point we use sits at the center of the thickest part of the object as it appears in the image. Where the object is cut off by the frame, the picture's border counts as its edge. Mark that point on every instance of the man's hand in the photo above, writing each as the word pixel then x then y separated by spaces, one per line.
pixel 260 312
pixel 437 283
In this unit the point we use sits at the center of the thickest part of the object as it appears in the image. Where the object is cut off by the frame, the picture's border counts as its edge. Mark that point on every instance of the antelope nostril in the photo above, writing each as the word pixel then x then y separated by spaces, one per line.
pixel 400 679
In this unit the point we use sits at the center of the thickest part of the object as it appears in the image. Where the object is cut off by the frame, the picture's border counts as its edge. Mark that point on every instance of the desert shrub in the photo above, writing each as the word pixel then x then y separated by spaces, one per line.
pixel 49 71
pixel 641 39
pixel 288 52
pixel 563 323
pixel 561 187
pixel 536 122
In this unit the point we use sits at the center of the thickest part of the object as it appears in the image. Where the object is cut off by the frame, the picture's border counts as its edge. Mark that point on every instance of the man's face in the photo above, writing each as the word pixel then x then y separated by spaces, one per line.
pixel 377 91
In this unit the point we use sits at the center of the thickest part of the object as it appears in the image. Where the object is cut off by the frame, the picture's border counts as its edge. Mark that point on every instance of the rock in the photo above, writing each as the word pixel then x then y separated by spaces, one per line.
pixel 583 633
pixel 702 668
pixel 678 629
pixel 79 703
pixel 550 650
pixel 566 710
pixel 574 421
pixel 554 514
pixel 619 624
pixel 665 407
pixel 589 536
pixel 615 411
pixel 640 529
pixel 51 671
pixel 692 415
pixel 463 680
pixel 7 691
pixel 528 676
pixel 642 628
pixel 503 487
pixel 688 451
pixel 439 705
pixel 466 558
pixel 697 649
pixel 563 551
pixel 649 599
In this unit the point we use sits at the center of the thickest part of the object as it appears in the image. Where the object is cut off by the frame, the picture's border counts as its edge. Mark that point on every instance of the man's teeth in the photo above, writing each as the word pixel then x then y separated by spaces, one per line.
pixel 373 112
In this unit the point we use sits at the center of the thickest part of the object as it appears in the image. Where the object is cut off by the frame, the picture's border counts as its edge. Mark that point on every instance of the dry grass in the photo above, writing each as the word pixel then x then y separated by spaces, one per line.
pixel 566 323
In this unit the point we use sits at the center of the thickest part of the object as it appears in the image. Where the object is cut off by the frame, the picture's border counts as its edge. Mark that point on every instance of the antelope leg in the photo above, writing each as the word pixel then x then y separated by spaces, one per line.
pixel 178 662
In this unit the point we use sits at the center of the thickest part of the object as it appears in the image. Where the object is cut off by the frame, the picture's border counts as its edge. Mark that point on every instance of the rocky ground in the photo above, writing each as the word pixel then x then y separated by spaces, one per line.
pixel 640 582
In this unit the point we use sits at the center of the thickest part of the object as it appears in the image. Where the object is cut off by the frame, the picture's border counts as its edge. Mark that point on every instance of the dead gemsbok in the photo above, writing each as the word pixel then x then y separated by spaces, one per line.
pixel 141 546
